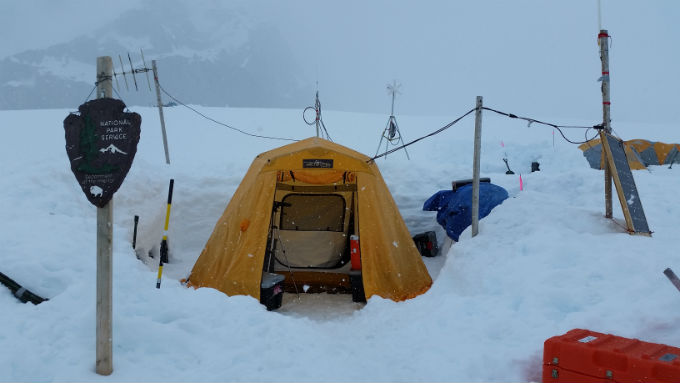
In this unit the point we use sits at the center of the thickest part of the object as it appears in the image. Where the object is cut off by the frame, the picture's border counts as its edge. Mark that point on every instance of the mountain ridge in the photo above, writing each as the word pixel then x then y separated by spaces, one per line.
pixel 209 56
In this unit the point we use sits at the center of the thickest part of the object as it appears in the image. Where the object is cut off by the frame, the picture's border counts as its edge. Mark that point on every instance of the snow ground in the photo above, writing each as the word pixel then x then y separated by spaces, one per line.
pixel 545 261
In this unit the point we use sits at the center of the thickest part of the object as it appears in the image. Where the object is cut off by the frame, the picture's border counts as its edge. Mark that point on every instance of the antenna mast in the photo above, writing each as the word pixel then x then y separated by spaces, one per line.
pixel 144 69
pixel 391 134
pixel 317 108
pixel 394 89
pixel 318 120
pixel 599 15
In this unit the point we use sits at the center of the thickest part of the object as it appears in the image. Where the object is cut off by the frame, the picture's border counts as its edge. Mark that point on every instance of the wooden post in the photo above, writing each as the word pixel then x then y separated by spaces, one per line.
pixel 160 110
pixel 104 364
pixel 475 167
pixel 603 39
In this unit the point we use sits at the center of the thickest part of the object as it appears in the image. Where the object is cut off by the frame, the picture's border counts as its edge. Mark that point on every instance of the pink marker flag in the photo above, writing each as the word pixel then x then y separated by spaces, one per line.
pixel 521 187
pixel 502 144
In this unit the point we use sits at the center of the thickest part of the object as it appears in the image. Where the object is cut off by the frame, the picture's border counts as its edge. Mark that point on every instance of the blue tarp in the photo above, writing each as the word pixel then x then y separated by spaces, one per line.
pixel 454 208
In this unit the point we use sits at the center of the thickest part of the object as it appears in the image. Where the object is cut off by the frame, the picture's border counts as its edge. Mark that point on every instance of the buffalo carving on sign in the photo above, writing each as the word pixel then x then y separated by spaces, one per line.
pixel 101 142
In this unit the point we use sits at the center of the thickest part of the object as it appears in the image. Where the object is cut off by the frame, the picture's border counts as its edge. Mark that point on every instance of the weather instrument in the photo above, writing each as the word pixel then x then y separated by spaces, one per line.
pixel 391 134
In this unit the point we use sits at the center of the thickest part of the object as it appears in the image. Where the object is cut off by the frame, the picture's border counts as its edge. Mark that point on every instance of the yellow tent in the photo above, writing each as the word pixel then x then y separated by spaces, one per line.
pixel 592 150
pixel 640 153
pixel 294 213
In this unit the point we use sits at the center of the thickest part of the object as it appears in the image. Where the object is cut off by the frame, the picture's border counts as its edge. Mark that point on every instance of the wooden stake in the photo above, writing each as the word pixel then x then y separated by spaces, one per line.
pixel 475 167
pixel 104 363
pixel 160 110
pixel 603 39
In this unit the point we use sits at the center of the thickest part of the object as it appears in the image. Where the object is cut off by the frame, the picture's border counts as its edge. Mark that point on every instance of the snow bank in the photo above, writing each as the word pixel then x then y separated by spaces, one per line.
pixel 545 261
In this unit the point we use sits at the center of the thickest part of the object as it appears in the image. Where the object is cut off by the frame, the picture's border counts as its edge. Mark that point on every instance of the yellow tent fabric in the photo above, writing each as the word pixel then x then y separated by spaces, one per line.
pixel 593 152
pixel 646 151
pixel 233 257
pixel 639 152
pixel 663 152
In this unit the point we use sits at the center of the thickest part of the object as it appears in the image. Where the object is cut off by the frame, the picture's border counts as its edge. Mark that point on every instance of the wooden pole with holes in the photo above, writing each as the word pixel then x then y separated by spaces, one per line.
pixel 104 363
pixel 606 117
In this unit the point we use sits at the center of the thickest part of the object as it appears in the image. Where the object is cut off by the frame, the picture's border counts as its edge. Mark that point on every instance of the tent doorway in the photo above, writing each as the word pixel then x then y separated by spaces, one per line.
pixel 313 230
pixel 310 233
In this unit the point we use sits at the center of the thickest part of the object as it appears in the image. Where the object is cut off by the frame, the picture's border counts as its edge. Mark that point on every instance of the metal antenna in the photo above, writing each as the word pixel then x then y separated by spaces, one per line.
pixel 318 121
pixel 391 134
pixel 115 75
pixel 132 70
pixel 394 90
pixel 317 107
pixel 122 69
pixel 599 15
pixel 160 110
pixel 145 69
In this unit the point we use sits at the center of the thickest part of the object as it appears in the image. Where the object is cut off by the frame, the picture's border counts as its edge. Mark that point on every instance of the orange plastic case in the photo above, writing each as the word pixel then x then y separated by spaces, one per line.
pixel 588 356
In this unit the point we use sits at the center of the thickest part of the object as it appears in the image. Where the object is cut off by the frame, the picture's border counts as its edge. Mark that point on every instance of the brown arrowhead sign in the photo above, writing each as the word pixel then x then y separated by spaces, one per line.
pixel 101 142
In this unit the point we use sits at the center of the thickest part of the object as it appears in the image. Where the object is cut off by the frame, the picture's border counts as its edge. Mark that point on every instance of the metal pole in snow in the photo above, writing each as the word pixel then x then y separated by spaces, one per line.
pixel 160 110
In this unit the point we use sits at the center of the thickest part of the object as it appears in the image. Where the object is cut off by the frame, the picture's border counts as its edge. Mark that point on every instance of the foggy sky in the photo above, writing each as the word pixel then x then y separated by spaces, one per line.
pixel 531 57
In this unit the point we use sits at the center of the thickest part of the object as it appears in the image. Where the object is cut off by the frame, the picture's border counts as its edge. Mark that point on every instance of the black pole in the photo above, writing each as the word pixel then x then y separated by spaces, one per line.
pixel 507 166
pixel 19 292
pixel 134 233
pixel 673 278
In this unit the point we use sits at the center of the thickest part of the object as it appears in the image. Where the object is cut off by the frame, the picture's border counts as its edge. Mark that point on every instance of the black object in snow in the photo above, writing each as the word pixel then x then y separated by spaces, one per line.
pixel 20 292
